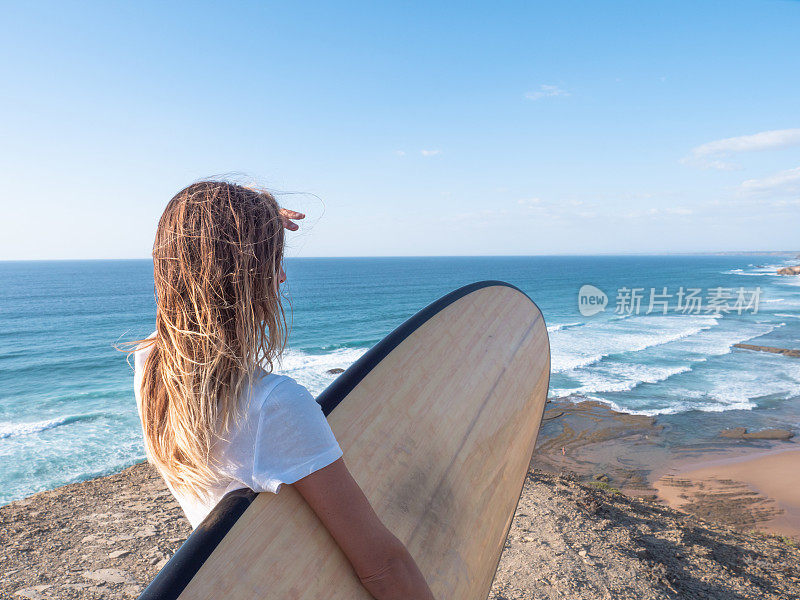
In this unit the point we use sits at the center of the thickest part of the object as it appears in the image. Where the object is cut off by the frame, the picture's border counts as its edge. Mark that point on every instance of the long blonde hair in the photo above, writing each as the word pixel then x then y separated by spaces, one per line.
pixel 216 262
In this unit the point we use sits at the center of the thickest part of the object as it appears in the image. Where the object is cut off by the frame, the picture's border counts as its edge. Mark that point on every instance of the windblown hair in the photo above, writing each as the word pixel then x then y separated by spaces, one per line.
pixel 216 264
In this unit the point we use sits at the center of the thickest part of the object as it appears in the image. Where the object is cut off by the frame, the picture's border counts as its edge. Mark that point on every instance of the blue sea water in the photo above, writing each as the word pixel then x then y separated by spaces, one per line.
pixel 67 411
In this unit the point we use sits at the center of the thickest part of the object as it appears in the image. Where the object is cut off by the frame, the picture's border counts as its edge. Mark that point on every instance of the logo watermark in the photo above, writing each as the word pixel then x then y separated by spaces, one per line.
pixel 662 301
pixel 591 300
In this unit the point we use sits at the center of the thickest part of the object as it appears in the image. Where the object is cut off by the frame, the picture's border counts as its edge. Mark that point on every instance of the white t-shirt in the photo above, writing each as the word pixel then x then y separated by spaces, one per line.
pixel 282 437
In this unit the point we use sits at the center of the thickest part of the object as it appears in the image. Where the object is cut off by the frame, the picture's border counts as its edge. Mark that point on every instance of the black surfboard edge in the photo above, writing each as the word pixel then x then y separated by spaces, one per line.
pixel 173 578
pixel 344 384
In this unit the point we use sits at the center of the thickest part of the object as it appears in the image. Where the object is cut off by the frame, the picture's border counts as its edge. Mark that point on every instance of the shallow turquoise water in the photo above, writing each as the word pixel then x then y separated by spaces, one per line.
pixel 66 399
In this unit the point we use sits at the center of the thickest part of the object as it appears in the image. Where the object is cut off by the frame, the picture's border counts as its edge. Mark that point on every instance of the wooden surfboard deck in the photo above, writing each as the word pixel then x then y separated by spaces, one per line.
pixel 437 423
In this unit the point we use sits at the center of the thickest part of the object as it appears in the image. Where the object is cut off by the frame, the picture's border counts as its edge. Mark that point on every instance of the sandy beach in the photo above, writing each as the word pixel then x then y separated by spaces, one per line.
pixel 760 489
pixel 575 533
pixel 752 484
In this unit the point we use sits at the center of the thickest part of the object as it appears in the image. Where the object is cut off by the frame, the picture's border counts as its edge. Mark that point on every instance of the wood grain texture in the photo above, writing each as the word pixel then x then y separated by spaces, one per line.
pixel 439 436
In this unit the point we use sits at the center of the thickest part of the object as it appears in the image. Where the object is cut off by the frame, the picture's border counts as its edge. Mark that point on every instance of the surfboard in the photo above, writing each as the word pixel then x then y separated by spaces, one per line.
pixel 437 422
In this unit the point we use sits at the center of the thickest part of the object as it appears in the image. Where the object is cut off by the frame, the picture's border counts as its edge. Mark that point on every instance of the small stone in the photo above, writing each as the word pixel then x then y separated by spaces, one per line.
pixel 160 564
pixel 582 553
pixel 33 593
pixel 119 538
pixel 109 576
pixel 119 553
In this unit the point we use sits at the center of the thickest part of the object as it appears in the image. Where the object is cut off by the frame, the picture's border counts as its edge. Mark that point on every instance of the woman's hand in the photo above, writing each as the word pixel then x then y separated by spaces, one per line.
pixel 289 216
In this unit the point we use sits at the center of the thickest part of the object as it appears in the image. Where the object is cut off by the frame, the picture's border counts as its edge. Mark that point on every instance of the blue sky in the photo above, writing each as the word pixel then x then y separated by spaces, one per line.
pixel 410 128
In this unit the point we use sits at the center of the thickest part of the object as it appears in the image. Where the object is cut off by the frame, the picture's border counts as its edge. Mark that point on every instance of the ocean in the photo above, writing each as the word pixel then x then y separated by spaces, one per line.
pixel 67 409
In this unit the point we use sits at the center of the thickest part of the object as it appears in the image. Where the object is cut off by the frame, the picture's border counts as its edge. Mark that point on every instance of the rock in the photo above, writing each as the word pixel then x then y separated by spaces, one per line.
pixel 740 433
pixel 773 350
pixel 795 270
pixel 33 593
pixel 602 477
pixel 124 538
pixel 334 371
pixel 119 553
pixel 582 553
pixel 109 576
pixel 734 432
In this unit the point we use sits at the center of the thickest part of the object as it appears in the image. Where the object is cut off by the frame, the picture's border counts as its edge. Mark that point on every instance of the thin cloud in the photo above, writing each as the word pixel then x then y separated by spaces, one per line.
pixel 782 183
pixel 546 91
pixel 712 155
pixel 400 152
pixel 430 152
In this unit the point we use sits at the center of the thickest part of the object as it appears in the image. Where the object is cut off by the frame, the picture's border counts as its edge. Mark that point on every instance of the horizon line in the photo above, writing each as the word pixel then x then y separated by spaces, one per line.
pixel 685 253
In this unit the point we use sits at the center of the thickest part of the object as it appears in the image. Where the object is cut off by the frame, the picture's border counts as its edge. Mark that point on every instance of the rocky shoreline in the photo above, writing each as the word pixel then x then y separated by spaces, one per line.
pixel 795 270
pixel 108 537
pixel 770 349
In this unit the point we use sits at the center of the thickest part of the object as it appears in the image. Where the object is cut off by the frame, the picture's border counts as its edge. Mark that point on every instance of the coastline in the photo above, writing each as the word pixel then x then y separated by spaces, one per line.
pixel 590 522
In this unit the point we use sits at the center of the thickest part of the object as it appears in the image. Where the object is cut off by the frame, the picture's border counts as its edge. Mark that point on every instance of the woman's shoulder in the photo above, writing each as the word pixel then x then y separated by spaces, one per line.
pixel 274 389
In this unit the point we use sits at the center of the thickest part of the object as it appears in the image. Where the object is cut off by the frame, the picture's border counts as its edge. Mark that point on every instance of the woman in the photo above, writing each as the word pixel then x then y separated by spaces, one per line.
pixel 214 416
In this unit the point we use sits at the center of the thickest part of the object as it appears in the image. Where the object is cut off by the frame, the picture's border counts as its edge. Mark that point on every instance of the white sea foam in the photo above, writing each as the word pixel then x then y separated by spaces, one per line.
pixel 311 370
pixel 738 389
pixel 587 345
pixel 9 430
pixel 560 326
pixel 622 377
pixel 719 341
pixel 719 388
pixel 676 407
pixel 683 406
pixel 790 280
pixel 753 273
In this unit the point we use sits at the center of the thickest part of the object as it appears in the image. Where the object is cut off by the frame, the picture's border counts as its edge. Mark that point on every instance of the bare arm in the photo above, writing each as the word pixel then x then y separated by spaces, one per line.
pixel 380 560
